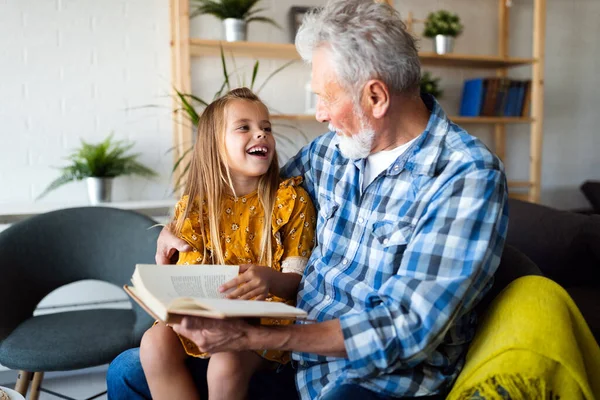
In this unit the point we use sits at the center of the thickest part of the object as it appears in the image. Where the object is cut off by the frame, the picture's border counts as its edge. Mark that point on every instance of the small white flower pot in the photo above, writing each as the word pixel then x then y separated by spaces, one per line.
pixel 235 29
pixel 443 44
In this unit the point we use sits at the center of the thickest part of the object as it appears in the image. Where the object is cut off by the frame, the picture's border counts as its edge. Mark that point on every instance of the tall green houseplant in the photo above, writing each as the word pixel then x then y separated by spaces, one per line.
pixel 235 14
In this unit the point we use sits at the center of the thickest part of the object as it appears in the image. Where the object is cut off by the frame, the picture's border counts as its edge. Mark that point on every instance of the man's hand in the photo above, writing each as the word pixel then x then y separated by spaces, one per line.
pixel 215 335
pixel 167 247
pixel 253 282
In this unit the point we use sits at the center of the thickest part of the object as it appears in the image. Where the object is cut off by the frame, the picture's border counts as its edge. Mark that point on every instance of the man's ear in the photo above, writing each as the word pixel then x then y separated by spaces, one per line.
pixel 377 97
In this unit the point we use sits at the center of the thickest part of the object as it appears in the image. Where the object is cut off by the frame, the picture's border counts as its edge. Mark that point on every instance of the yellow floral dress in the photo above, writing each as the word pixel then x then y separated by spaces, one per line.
pixel 242 221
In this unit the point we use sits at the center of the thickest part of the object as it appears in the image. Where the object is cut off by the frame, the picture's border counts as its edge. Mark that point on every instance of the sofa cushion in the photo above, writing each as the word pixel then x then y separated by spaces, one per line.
pixel 588 302
pixel 563 244
pixel 591 190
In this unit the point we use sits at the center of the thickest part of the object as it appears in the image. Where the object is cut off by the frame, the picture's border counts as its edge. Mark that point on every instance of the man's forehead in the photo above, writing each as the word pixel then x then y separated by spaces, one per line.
pixel 322 68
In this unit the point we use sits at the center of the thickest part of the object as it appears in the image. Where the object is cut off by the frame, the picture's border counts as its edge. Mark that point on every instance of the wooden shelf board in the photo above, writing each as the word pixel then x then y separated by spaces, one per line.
pixel 457 120
pixel 519 196
pixel 519 184
pixel 491 120
pixel 297 117
pixel 471 61
pixel 200 47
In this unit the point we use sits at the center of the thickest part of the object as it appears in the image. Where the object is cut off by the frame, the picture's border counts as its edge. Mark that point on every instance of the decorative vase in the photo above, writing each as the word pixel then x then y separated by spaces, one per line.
pixel 443 44
pixel 310 99
pixel 99 190
pixel 235 29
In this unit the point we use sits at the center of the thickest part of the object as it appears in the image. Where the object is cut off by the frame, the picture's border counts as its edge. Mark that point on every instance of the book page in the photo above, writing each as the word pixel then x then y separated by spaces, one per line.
pixel 238 308
pixel 169 282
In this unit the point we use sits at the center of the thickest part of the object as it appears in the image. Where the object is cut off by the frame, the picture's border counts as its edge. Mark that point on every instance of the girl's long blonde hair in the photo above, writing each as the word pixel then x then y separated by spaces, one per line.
pixel 209 178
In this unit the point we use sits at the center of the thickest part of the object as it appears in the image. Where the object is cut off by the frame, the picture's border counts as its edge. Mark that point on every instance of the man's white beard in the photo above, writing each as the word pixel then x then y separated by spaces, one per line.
pixel 358 145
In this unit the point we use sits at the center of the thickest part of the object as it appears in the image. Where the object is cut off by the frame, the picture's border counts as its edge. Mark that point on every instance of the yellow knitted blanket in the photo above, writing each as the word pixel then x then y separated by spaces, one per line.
pixel 533 343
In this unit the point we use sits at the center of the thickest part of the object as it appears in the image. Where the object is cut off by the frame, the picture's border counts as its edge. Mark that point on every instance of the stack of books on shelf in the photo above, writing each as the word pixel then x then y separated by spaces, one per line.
pixel 496 97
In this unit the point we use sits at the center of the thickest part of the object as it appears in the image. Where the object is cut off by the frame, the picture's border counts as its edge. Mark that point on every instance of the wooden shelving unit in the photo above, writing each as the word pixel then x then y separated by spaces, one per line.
pixel 183 48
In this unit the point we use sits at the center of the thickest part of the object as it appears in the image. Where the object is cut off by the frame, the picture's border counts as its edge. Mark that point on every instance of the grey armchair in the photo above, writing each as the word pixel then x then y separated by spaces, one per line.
pixel 50 250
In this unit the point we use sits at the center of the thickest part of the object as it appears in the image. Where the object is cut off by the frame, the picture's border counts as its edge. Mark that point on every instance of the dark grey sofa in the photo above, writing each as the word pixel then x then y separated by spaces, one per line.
pixel 565 246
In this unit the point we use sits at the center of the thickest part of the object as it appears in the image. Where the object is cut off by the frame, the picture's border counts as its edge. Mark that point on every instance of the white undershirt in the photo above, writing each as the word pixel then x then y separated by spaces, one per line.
pixel 380 161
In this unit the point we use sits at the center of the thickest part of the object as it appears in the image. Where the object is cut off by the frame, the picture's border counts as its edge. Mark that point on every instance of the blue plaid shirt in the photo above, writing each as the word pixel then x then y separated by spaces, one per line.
pixel 402 263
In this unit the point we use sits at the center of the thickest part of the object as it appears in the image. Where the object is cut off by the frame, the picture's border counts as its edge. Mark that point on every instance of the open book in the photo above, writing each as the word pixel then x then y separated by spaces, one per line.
pixel 168 292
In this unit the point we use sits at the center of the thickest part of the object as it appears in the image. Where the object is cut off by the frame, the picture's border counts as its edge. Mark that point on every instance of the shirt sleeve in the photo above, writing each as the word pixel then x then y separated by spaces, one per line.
pixel 190 232
pixel 448 262
pixel 299 233
pixel 300 165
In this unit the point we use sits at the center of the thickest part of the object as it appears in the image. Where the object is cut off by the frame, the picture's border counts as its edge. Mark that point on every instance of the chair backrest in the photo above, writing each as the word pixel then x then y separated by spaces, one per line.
pixel 50 250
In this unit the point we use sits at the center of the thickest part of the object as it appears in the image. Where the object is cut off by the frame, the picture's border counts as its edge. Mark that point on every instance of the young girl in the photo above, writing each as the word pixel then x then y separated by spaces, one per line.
pixel 235 211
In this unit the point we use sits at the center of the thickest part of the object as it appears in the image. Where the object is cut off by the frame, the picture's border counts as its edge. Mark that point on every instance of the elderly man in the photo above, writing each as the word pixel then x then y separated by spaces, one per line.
pixel 412 221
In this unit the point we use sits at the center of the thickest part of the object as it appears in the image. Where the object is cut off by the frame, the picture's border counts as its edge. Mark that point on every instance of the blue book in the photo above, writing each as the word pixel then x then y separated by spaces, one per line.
pixel 472 98
pixel 520 97
pixel 509 108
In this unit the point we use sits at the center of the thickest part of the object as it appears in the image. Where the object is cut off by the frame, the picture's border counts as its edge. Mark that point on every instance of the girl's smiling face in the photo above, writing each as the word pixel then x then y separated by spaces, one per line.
pixel 249 143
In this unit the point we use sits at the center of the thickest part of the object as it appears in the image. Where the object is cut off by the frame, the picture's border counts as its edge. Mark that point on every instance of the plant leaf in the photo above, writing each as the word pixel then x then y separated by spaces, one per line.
pixel 268 78
pixel 254 72
pixel 224 65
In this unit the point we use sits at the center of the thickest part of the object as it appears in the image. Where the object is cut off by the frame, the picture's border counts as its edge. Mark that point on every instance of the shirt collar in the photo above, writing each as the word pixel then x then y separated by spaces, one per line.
pixel 424 153
pixel 422 156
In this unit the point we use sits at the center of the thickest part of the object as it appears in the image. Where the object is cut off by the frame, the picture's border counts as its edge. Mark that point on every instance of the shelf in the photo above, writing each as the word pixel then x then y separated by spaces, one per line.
pixel 457 120
pixel 202 47
pixel 199 47
pixel 296 117
pixel 519 196
pixel 519 184
pixel 12 213
pixel 471 61
pixel 491 120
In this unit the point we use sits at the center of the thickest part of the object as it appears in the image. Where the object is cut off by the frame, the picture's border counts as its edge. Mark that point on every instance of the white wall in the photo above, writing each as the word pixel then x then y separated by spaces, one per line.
pixel 79 69
pixel 74 69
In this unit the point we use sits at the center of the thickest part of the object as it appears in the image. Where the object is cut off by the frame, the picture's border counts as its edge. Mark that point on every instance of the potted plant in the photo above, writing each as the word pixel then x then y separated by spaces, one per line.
pixel 430 85
pixel 235 14
pixel 98 164
pixel 443 27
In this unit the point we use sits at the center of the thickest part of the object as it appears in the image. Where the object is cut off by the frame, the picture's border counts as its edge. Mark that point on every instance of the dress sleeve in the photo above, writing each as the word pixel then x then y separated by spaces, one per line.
pixel 298 234
pixel 190 232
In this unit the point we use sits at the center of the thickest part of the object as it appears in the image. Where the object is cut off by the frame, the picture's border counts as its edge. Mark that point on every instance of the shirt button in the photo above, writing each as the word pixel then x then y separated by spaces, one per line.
pixel 361 220
pixel 396 168
pixel 385 241
pixel 345 261
pixel 327 298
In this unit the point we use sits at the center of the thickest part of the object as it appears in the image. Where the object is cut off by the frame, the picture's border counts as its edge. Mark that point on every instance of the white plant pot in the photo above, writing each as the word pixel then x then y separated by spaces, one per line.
pixel 443 44
pixel 235 29
pixel 99 190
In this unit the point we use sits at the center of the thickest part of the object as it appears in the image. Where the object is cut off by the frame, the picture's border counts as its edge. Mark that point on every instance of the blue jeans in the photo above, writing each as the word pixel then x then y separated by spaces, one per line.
pixel 125 379
pixel 356 392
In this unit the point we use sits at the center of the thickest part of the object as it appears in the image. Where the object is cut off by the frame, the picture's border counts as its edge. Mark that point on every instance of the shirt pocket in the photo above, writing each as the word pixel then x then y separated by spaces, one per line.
pixel 392 233
pixel 326 231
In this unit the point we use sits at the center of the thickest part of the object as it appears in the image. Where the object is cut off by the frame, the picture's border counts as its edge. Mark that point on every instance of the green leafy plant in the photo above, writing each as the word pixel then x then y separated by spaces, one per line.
pixel 430 85
pixel 192 107
pixel 442 23
pixel 238 9
pixel 107 159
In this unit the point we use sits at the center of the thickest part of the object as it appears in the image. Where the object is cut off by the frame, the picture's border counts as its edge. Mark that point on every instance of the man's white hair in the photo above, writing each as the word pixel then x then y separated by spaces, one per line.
pixel 366 40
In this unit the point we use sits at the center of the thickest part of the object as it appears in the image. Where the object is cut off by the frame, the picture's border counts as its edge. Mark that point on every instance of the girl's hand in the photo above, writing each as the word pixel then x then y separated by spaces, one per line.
pixel 253 282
